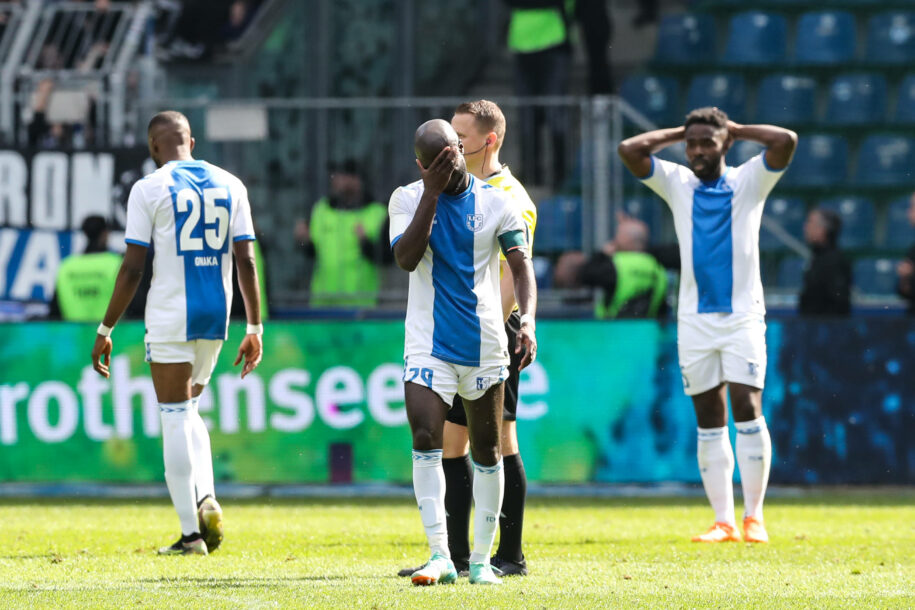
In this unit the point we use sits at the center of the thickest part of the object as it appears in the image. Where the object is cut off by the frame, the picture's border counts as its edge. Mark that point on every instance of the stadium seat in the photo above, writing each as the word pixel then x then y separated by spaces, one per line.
pixel 685 39
pixel 858 220
pixel 654 96
pixel 886 160
pixel 905 101
pixel 786 99
pixel 756 38
pixel 857 99
pixel 726 91
pixel 900 235
pixel 791 273
pixel 742 151
pixel 543 272
pixel 558 224
pixel 891 38
pixel 820 160
pixel 825 37
pixel 874 276
pixel 650 210
pixel 789 214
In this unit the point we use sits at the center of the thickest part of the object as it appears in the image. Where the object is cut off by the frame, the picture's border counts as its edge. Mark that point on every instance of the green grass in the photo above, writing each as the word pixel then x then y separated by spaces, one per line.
pixel 829 550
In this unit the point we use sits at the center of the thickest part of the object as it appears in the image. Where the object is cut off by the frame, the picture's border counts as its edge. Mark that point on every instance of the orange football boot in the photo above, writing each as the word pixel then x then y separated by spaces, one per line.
pixel 754 530
pixel 719 532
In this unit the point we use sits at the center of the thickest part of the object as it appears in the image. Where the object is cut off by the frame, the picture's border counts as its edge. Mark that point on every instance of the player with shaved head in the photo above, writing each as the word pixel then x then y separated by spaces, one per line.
pixel 447 230
pixel 196 216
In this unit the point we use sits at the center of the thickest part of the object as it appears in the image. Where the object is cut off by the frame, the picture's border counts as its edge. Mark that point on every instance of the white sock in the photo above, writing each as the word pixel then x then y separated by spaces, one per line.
pixel 754 457
pixel 202 456
pixel 429 487
pixel 488 490
pixel 716 464
pixel 179 466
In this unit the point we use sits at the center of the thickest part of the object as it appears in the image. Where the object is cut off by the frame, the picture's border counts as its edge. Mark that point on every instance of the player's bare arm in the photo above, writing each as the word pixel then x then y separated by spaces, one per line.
pixel 409 249
pixel 251 348
pixel 526 292
pixel 636 151
pixel 125 286
pixel 779 142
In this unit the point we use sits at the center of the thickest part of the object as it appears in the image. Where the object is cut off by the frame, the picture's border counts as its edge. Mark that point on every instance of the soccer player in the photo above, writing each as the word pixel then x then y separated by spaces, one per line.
pixel 721 318
pixel 447 230
pixel 191 212
pixel 480 125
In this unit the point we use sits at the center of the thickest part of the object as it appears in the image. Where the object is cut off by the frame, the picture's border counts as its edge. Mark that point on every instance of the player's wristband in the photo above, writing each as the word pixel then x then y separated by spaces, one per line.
pixel 103 330
pixel 528 319
pixel 255 329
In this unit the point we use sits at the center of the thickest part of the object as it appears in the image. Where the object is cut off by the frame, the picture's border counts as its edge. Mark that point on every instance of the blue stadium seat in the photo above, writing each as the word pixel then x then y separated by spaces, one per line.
pixel 825 37
pixel 784 99
pixel 558 224
pixel 891 38
pixel 875 275
pixel 900 234
pixel 543 272
pixel 858 220
pixel 886 160
pixel 756 38
pixel 742 151
pixel 654 96
pixel 685 39
pixel 905 101
pixel 650 210
pixel 857 99
pixel 789 214
pixel 791 273
pixel 820 160
pixel 727 91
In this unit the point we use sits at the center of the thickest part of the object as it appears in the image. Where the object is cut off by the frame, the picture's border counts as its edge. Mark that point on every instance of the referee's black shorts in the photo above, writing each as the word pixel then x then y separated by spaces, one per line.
pixel 457 415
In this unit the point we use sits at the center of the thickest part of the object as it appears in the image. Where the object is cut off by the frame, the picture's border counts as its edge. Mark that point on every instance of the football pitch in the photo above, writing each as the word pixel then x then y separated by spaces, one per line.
pixel 835 549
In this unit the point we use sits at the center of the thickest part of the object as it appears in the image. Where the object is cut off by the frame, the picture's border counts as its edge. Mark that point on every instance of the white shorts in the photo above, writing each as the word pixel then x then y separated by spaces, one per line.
pixel 201 353
pixel 716 348
pixel 446 379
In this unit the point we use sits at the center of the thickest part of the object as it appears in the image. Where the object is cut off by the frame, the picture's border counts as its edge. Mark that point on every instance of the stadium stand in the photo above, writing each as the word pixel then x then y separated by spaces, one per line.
pixel 559 224
pixel 726 91
pixel 654 96
pixel 886 160
pixel 820 160
pixel 756 38
pixel 899 232
pixel 789 213
pixel 857 99
pixel 891 38
pixel 686 39
pixel 791 273
pixel 875 276
pixel 786 99
pixel 858 221
pixel 825 38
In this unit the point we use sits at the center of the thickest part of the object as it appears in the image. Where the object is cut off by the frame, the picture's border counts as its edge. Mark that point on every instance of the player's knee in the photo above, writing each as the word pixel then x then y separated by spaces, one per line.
pixel 425 439
pixel 746 409
pixel 486 454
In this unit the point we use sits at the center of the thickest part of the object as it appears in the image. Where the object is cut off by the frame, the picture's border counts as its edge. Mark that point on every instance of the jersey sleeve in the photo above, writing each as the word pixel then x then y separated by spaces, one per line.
pixel 139 218
pixel 512 231
pixel 399 214
pixel 243 223
pixel 662 177
pixel 758 179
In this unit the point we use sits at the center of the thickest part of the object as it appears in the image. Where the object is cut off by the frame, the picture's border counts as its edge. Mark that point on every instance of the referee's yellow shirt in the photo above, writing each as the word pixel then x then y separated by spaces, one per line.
pixel 508 183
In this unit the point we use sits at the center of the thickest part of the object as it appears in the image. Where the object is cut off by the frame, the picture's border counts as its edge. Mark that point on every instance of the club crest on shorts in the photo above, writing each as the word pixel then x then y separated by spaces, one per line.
pixel 474 222
pixel 753 368
pixel 483 383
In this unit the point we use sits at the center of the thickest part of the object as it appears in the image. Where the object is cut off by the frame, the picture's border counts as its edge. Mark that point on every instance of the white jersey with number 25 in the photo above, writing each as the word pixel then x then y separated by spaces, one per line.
pixel 190 211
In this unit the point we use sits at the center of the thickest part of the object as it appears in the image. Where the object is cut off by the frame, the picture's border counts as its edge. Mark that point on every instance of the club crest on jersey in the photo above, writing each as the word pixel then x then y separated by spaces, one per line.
pixel 474 222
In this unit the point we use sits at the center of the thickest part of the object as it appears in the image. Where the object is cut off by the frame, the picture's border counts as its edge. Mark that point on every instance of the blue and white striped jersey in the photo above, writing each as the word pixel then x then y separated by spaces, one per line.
pixel 190 211
pixel 717 225
pixel 454 308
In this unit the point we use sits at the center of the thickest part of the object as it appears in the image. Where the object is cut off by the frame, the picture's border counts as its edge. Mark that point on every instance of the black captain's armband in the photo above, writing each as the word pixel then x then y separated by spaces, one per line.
pixel 512 240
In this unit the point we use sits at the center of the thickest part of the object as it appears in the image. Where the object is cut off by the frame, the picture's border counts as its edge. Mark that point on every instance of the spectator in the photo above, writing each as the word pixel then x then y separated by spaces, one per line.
pixel 905 270
pixel 346 237
pixel 85 281
pixel 649 11
pixel 827 279
pixel 631 281
pixel 538 36
pixel 597 30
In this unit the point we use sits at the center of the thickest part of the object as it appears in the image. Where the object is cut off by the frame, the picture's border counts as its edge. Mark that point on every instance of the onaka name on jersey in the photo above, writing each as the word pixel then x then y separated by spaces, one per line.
pixel 205 261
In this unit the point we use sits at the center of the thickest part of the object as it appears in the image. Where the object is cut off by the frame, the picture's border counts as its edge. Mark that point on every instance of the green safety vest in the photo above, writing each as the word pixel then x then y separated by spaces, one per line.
pixel 641 284
pixel 535 29
pixel 343 277
pixel 84 285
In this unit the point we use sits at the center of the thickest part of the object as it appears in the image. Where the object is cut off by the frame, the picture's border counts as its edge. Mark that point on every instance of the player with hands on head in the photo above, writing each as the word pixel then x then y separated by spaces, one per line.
pixel 447 230
pixel 721 326
pixel 197 216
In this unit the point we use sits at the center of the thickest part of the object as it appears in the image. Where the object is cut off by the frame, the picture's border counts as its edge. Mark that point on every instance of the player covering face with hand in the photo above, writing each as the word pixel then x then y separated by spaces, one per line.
pixel 717 212
pixel 447 230
pixel 196 216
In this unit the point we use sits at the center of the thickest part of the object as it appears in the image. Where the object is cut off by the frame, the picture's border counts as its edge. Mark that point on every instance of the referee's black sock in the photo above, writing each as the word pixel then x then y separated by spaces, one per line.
pixel 512 519
pixel 458 498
